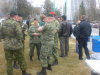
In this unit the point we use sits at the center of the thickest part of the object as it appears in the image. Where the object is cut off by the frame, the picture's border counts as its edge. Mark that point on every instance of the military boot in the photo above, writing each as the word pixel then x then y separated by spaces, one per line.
pixel 31 58
pixel 55 63
pixel 43 71
pixel 25 73
pixel 15 65
pixel 49 67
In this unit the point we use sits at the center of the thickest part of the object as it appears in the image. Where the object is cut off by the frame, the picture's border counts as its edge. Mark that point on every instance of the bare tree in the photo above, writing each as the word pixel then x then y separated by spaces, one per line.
pixel 37 11
pixel 82 10
pixel 92 10
pixel 5 7
pixel 24 8
pixel 48 6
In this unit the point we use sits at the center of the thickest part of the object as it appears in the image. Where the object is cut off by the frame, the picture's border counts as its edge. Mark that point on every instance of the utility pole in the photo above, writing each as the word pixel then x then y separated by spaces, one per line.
pixel 54 6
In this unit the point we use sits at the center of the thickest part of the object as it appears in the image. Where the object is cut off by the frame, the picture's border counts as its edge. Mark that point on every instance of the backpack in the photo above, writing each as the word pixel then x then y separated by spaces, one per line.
pixel 76 32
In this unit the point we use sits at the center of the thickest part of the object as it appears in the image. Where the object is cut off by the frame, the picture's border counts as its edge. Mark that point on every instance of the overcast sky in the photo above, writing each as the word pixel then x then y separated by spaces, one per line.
pixel 58 4
pixel 39 3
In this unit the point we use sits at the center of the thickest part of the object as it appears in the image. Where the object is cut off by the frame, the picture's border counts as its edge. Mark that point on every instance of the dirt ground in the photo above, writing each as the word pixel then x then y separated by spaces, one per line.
pixel 67 66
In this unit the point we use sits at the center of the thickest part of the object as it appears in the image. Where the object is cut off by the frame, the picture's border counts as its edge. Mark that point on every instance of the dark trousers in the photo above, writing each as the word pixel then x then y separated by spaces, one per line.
pixel 32 47
pixel 83 44
pixel 92 73
pixel 64 45
pixel 77 50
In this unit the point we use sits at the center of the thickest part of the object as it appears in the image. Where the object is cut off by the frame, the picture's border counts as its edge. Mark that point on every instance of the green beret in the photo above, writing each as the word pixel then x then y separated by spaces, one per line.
pixel 13 13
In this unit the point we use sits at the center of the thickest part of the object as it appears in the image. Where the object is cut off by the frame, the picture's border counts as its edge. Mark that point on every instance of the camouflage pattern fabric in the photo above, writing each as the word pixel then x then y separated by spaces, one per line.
pixel 23 32
pixel 46 56
pixel 12 34
pixel 19 56
pixel 13 46
pixel 56 26
pixel 35 41
pixel 47 40
pixel 32 47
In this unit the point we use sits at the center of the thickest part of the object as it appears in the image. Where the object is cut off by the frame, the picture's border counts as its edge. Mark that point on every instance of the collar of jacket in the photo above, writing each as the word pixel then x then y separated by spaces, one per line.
pixel 83 20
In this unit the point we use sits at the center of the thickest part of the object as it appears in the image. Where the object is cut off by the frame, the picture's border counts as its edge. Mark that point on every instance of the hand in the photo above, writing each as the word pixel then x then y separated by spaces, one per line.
pixel 35 34
pixel 78 21
pixel 40 29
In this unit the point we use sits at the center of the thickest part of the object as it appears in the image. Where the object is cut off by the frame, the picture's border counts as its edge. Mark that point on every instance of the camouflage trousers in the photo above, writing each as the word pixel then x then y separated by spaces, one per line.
pixel 15 60
pixel 55 46
pixel 46 55
pixel 19 56
pixel 32 47
pixel 54 52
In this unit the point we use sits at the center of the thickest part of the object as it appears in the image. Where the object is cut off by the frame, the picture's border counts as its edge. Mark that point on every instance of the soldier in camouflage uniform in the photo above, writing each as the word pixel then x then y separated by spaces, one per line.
pixel 34 39
pixel 13 46
pixel 47 41
pixel 19 20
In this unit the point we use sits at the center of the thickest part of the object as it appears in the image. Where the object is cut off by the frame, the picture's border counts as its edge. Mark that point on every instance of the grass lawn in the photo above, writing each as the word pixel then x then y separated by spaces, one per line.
pixel 67 66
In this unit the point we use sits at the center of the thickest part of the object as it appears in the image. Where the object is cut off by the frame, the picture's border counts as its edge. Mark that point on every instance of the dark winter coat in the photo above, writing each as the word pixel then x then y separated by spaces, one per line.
pixel 65 29
pixel 84 29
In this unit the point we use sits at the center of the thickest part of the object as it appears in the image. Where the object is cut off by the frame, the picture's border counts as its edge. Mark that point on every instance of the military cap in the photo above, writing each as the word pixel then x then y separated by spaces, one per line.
pixel 13 13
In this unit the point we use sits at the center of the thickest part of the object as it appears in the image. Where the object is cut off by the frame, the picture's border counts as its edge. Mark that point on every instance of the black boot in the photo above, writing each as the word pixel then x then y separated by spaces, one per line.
pixel 80 58
pixel 62 55
pixel 55 63
pixel 38 58
pixel 43 71
pixel 66 55
pixel 25 73
pixel 49 67
pixel 15 65
pixel 88 57
pixel 31 58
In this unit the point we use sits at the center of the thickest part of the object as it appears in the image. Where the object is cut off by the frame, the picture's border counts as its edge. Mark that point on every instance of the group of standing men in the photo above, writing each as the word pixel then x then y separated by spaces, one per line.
pixel 43 36
pixel 46 37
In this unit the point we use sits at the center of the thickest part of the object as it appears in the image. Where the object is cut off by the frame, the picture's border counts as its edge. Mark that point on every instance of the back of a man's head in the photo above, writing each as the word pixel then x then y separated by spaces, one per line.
pixel 82 17
pixel 64 17
pixel 13 13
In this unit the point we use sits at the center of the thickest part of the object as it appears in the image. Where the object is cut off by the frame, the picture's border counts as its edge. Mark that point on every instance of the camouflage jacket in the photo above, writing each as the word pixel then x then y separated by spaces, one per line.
pixel 12 33
pixel 23 28
pixel 34 39
pixel 49 32
pixel 56 26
